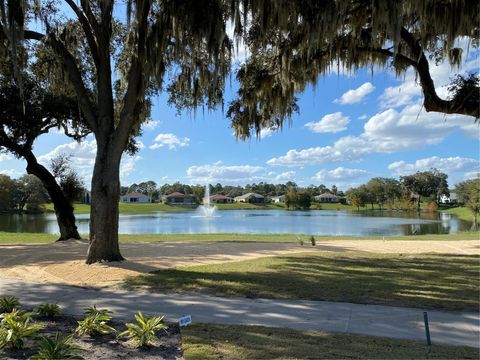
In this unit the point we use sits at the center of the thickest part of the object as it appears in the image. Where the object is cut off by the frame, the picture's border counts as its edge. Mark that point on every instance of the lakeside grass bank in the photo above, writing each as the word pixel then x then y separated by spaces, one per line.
pixel 9 238
pixel 238 342
pixel 461 212
pixel 125 208
pixel 430 281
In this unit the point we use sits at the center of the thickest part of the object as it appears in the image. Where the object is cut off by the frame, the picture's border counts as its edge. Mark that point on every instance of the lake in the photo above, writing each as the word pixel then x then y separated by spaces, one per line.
pixel 315 222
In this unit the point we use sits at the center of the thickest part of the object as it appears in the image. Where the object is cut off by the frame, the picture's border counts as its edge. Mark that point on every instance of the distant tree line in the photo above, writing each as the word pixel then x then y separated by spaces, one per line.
pixel 150 188
pixel 28 194
pixel 404 194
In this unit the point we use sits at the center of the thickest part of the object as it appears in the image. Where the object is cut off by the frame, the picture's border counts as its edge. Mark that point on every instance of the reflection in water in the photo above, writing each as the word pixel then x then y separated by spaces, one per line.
pixel 318 222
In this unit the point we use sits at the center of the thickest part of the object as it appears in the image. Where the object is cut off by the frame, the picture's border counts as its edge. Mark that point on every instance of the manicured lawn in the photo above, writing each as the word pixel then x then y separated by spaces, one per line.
pixel 425 281
pixel 248 206
pixel 235 342
pixel 126 208
pixel 38 238
pixel 461 212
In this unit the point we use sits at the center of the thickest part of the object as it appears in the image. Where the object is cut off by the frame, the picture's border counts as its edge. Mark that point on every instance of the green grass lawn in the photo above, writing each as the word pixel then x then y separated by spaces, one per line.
pixel 236 342
pixel 425 281
pixel 461 212
pixel 126 208
pixel 38 238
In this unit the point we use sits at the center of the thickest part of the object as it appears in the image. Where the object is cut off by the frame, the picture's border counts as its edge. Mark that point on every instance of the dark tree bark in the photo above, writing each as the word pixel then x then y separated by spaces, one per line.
pixel 104 207
pixel 63 207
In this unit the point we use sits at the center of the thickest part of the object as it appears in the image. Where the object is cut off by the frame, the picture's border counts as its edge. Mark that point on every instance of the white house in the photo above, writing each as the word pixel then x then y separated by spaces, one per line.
pixel 135 198
pixel 326 198
pixel 452 199
pixel 250 198
pixel 278 199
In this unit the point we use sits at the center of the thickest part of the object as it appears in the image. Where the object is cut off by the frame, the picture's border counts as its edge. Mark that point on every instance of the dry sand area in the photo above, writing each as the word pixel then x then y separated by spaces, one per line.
pixel 64 262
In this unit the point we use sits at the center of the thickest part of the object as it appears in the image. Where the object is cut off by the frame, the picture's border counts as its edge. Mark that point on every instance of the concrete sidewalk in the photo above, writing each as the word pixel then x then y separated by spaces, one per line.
pixel 395 322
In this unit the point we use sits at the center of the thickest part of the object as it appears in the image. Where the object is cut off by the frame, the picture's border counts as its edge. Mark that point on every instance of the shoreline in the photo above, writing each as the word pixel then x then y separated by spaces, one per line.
pixel 11 238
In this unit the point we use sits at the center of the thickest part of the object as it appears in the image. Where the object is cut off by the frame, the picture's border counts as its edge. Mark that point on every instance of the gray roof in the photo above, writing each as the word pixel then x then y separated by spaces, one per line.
pixel 249 195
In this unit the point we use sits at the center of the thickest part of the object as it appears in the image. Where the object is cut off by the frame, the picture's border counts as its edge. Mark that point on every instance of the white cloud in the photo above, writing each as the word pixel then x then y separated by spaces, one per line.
pixel 363 117
pixel 169 140
pixel 5 157
pixel 82 156
pixel 471 175
pixel 127 165
pixel 82 159
pixel 339 175
pixel 330 123
pixel 266 132
pixel 150 125
pixel 228 174
pixel 10 172
pixel 140 145
pixel 285 176
pixel 447 165
pixel 355 95
pixel 386 132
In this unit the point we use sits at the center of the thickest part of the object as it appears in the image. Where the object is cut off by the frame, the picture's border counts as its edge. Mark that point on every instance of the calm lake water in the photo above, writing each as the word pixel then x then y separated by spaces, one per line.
pixel 316 222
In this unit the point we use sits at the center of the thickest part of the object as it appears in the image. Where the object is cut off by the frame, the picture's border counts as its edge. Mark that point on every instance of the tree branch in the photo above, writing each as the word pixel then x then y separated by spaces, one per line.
pixel 432 102
pixel 75 77
pixel 90 15
pixel 88 29
pixel 136 77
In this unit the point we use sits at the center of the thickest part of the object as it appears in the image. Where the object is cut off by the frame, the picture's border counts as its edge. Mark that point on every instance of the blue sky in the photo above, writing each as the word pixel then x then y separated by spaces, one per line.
pixel 350 128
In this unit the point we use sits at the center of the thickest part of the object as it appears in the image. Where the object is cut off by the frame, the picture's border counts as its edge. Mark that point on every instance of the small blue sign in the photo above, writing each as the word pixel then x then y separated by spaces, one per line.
pixel 185 320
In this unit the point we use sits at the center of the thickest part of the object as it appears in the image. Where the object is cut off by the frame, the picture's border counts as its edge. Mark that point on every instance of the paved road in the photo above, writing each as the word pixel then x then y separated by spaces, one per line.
pixel 395 322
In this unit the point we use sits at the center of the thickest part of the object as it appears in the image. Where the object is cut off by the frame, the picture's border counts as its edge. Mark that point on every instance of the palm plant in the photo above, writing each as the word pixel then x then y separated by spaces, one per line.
pixel 48 310
pixel 143 333
pixel 16 327
pixel 95 322
pixel 60 347
pixel 8 303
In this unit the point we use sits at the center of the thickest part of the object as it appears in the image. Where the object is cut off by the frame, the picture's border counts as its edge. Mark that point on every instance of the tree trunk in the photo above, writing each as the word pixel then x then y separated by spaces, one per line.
pixel 63 208
pixel 104 210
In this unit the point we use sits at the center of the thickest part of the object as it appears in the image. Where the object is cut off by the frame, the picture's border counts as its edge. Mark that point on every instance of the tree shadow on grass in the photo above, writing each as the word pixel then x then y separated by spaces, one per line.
pixel 256 342
pixel 427 281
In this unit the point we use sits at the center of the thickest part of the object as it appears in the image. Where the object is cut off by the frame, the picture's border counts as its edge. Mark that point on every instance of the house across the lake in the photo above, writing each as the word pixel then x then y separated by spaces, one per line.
pixel 326 198
pixel 220 199
pixel 178 198
pixel 278 199
pixel 252 198
pixel 452 199
pixel 135 198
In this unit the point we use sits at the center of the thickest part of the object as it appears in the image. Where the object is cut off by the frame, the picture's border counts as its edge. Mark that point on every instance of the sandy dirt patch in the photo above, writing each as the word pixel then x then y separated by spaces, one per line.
pixel 65 262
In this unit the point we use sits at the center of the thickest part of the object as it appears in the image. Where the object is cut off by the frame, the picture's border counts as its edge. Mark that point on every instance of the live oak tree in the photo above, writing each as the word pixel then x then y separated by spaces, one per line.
pixel 25 115
pixel 294 43
pixel 468 193
pixel 432 183
pixel 113 66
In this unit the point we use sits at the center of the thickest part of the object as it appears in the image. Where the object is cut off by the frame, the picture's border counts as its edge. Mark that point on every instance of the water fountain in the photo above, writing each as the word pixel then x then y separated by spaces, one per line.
pixel 207 210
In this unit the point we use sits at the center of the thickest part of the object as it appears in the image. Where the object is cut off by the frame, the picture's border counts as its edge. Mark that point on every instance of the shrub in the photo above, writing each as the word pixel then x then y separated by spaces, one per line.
pixel 48 310
pixel 313 241
pixel 95 322
pixel 431 207
pixel 8 303
pixel 59 347
pixel 16 327
pixel 143 333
